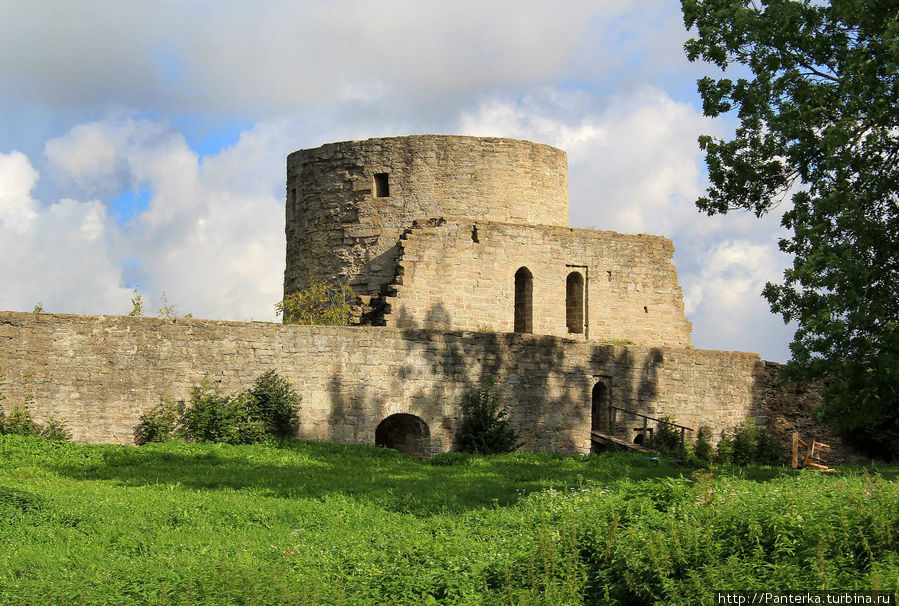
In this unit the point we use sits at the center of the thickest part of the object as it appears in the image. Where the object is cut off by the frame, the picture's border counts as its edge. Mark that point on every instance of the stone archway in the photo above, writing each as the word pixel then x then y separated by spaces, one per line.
pixel 406 433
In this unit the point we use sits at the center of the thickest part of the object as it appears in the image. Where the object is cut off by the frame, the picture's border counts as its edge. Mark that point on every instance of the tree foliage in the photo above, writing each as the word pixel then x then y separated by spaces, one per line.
pixel 137 303
pixel 817 100
pixel 318 303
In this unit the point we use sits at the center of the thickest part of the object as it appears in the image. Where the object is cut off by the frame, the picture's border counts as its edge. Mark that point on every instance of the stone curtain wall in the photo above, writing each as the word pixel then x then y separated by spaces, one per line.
pixel 100 373
pixel 461 276
pixel 338 229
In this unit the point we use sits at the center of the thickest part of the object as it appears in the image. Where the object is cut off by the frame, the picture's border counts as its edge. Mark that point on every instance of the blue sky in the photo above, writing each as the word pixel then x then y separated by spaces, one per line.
pixel 143 143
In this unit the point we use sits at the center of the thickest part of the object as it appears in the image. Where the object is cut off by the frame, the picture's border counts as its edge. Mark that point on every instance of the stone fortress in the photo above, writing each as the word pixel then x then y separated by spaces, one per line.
pixel 466 270
pixel 464 233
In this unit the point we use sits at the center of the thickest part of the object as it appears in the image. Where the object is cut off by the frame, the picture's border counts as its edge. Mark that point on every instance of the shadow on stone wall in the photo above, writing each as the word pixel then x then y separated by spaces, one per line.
pixel 633 384
pixel 545 381
pixel 352 412
pixel 788 407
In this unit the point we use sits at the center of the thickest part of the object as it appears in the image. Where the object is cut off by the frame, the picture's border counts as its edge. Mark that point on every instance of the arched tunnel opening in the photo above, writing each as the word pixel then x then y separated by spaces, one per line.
pixel 406 433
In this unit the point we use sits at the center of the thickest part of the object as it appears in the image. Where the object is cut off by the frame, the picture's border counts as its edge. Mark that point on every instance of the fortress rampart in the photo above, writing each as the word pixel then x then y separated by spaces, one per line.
pixel 100 373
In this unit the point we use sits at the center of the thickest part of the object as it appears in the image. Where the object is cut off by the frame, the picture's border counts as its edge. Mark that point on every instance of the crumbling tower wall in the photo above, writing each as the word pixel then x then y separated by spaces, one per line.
pixel 348 203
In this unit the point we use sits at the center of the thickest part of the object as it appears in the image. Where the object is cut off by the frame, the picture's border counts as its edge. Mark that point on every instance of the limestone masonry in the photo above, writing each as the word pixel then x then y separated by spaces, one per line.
pixel 460 251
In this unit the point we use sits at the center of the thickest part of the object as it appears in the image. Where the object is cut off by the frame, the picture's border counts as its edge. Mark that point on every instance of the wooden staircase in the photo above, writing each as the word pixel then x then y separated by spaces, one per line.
pixel 617 443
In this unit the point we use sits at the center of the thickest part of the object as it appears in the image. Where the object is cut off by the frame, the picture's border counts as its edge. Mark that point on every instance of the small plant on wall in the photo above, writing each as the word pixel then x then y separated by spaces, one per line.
pixel 485 428
pixel 319 303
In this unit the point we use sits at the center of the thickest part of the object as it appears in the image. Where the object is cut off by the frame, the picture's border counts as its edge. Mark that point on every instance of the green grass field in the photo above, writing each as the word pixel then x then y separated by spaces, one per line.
pixel 315 523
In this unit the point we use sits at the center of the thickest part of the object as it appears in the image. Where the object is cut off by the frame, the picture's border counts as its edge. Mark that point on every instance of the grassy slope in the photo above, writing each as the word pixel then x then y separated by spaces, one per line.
pixel 323 523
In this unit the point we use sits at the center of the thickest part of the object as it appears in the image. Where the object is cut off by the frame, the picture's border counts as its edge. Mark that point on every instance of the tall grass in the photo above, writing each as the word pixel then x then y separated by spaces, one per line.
pixel 315 523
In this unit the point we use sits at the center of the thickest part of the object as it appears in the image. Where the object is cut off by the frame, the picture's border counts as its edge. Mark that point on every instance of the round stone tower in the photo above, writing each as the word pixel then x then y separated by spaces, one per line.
pixel 348 203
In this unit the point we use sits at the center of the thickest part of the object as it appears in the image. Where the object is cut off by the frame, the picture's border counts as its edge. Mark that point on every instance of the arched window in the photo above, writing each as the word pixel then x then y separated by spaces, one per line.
pixel 524 299
pixel 574 302
pixel 404 432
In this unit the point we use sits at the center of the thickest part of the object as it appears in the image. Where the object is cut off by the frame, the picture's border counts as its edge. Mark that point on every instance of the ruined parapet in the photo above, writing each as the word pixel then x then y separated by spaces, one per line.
pixel 348 203
pixel 584 284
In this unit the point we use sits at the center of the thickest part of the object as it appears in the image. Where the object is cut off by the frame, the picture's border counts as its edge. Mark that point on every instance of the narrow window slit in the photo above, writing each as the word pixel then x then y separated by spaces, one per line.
pixel 382 186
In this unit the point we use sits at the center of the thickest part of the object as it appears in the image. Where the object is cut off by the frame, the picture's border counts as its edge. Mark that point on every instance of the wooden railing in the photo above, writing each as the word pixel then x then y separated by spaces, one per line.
pixel 613 412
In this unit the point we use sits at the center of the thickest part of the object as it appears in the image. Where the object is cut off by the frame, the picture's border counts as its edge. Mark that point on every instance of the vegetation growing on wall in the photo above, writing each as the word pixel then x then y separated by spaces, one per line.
pixel 319 303
pixel 267 410
pixel 137 303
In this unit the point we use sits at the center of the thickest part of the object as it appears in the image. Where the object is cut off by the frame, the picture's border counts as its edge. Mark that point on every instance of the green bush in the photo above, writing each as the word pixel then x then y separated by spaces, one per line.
pixel 318 303
pixel 702 448
pixel 55 429
pixel 725 447
pixel 769 450
pixel 747 443
pixel 268 409
pixel 667 438
pixel 161 424
pixel 213 417
pixel 485 427
pixel 19 422
pixel 275 404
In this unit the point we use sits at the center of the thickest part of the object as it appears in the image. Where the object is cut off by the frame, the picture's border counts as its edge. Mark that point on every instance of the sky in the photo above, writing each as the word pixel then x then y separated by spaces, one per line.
pixel 143 144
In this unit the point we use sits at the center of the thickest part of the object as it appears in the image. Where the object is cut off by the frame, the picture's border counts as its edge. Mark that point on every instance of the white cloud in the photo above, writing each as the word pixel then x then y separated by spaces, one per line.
pixel 60 255
pixel 632 160
pixel 726 294
pixel 17 179
pixel 211 235
pixel 240 56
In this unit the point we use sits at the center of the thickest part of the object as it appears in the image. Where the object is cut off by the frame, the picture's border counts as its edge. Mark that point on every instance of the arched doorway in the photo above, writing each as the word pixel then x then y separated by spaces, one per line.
pixel 574 302
pixel 406 433
pixel 524 300
pixel 599 411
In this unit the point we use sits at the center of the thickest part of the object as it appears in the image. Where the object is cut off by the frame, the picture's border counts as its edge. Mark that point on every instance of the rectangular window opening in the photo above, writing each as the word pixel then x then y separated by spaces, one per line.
pixel 382 187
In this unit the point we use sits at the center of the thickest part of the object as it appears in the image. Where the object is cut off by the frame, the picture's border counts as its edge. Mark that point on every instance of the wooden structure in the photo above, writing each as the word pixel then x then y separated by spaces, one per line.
pixel 644 431
pixel 813 454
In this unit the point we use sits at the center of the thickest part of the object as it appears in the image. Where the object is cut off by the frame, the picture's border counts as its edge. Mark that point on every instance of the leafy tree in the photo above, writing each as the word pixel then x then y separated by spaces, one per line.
pixel 275 404
pixel 667 438
pixel 318 303
pixel 745 443
pixel 817 97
